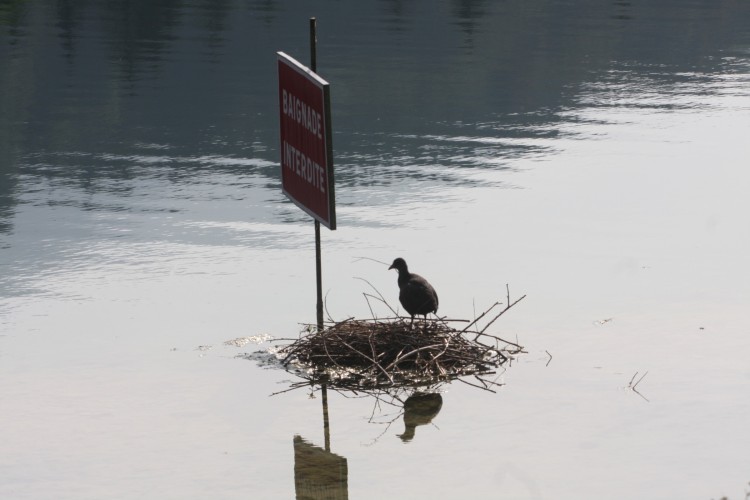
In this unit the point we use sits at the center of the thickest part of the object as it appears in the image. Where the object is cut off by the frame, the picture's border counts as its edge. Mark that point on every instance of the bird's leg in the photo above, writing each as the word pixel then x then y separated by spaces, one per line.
pixel 412 322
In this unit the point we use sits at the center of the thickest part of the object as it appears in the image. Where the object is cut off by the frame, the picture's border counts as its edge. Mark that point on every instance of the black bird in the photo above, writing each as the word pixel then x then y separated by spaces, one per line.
pixel 416 295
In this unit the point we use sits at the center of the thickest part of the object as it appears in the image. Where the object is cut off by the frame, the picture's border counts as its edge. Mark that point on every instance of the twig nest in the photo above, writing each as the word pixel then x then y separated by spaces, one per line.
pixel 391 352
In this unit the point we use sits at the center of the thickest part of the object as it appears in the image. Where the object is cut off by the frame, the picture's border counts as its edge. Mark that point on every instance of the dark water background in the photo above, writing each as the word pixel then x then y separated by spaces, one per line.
pixel 591 154
pixel 179 83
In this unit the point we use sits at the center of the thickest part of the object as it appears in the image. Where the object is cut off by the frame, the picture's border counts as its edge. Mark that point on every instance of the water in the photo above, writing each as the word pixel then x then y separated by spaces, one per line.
pixel 590 155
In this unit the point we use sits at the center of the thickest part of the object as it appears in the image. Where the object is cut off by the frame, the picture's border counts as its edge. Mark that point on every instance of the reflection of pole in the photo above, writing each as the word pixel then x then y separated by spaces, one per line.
pixel 318 270
pixel 326 423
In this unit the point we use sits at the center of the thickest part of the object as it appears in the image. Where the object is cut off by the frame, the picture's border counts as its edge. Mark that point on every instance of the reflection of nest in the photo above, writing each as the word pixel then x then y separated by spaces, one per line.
pixel 365 355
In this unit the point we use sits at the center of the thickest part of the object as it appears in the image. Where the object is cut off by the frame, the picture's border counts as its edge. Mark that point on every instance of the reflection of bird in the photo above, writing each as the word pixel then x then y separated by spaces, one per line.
pixel 419 409
pixel 416 295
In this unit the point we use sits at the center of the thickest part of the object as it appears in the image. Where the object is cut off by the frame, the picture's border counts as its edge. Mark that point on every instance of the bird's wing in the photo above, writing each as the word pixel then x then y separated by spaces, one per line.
pixel 420 292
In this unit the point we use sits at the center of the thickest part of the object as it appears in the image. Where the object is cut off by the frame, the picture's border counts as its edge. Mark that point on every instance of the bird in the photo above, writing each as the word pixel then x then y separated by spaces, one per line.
pixel 416 294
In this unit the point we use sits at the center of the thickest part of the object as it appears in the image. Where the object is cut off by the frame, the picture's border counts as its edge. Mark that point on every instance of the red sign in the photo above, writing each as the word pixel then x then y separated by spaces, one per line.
pixel 306 151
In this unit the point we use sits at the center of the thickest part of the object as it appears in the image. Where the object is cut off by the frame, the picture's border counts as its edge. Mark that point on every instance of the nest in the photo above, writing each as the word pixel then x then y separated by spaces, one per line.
pixel 395 352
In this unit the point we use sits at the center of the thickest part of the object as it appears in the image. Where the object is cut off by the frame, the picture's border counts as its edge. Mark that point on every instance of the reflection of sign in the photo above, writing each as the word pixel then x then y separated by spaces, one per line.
pixel 306 150
pixel 319 474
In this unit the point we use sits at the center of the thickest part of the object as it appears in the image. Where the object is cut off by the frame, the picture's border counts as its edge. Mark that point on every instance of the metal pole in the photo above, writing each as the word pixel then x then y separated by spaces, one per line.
pixel 313 44
pixel 318 276
pixel 318 266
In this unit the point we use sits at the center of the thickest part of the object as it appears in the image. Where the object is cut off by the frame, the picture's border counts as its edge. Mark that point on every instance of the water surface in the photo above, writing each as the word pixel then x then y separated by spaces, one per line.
pixel 590 155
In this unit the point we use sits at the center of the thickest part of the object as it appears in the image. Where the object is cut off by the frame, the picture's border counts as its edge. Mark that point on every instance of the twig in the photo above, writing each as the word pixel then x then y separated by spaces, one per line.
pixel 639 380
pixel 374 362
pixel 415 351
pixel 480 316
pixel 477 386
pixel 633 387
pixel 379 294
pixel 289 389
pixel 357 259
pixel 325 306
pixel 507 292
pixel 501 313
pixel 369 306
pixel 482 334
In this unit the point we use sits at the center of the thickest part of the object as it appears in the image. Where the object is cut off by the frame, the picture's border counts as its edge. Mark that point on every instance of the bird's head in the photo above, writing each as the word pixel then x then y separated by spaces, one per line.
pixel 399 264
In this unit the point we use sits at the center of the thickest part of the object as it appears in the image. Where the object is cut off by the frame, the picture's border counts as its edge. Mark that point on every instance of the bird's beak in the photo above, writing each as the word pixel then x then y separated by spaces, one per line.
pixel 391 267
